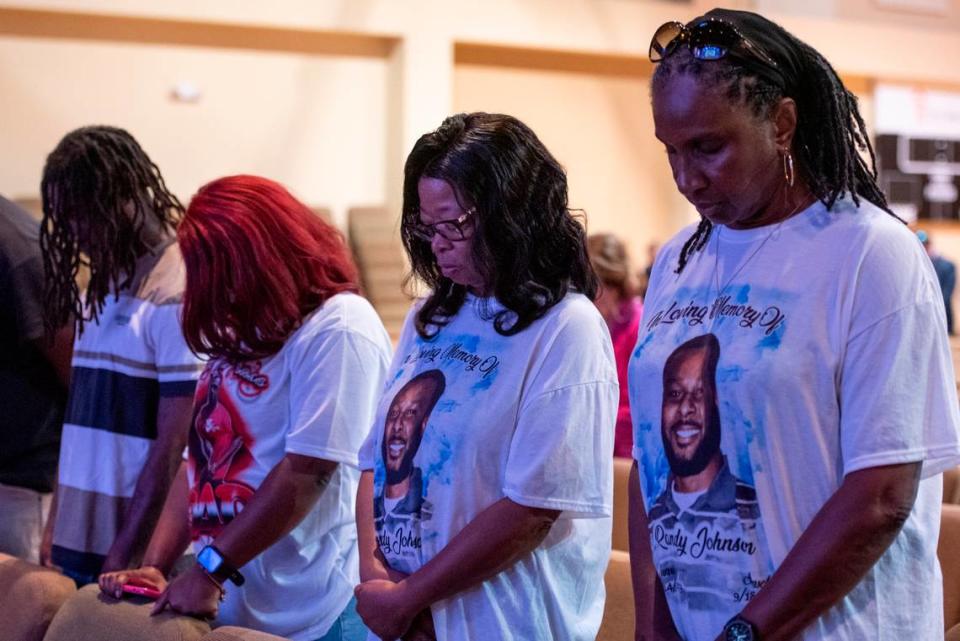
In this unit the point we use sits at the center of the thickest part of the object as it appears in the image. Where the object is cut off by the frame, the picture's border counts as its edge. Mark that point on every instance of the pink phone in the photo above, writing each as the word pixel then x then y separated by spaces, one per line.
pixel 141 590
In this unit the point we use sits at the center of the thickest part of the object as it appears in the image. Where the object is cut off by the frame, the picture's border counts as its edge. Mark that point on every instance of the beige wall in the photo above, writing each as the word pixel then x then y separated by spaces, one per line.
pixel 600 128
pixel 896 12
pixel 317 124
pixel 328 95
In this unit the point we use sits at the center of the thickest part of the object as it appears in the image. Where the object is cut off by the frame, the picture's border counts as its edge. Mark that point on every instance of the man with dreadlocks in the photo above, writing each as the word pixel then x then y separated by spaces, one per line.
pixel 834 382
pixel 105 205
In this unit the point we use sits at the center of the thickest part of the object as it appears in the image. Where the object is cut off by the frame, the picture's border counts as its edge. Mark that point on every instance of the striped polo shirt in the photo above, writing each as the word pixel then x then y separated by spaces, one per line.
pixel 122 365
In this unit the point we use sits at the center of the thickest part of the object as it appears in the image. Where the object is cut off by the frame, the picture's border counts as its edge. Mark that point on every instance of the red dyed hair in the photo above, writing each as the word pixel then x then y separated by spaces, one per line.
pixel 258 261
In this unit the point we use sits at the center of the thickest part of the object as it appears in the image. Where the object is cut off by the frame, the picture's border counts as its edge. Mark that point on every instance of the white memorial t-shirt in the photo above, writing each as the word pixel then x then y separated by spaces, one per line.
pixel 470 417
pixel 800 353
pixel 315 397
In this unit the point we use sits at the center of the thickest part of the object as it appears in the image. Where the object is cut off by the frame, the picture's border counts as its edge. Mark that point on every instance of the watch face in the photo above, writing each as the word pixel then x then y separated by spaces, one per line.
pixel 738 631
pixel 211 560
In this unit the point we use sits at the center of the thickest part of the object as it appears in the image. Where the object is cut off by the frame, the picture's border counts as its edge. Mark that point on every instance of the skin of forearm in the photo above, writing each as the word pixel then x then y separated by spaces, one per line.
pixel 46 542
pixel 496 539
pixel 172 534
pixel 846 537
pixel 283 499
pixel 653 620
pixel 372 564
pixel 163 460
pixel 58 350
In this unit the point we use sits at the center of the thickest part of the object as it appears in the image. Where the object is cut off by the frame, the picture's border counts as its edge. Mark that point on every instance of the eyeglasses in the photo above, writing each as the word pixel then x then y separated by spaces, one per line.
pixel 708 39
pixel 452 229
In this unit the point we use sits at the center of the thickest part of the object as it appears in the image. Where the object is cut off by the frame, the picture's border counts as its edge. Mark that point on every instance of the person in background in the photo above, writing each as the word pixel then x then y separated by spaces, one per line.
pixel 643 277
pixel 946 276
pixel 513 361
pixel 105 205
pixel 828 366
pixel 296 363
pixel 34 375
pixel 622 309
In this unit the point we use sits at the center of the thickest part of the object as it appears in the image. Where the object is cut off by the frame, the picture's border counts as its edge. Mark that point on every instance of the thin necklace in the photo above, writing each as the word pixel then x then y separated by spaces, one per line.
pixel 743 263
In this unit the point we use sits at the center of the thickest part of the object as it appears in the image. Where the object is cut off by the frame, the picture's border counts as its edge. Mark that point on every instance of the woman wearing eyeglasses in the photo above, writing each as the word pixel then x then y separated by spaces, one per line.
pixel 792 390
pixel 296 361
pixel 483 510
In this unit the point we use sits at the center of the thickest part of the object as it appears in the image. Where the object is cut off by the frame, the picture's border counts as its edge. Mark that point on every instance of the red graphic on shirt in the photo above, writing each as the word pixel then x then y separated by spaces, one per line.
pixel 219 445
pixel 250 382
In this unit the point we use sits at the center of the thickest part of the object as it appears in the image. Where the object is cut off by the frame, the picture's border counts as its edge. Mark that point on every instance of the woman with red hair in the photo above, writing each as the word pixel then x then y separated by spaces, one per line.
pixel 296 362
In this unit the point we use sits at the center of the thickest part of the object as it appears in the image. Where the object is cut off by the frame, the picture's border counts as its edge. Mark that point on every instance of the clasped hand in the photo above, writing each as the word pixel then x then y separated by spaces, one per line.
pixel 388 611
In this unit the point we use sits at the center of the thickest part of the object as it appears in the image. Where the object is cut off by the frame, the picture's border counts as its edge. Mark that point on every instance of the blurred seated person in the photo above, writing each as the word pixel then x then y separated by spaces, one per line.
pixel 296 363
pixel 946 276
pixel 621 308
pixel 34 375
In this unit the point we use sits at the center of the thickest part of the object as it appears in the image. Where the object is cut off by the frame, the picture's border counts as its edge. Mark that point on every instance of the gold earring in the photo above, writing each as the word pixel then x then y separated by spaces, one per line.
pixel 788 174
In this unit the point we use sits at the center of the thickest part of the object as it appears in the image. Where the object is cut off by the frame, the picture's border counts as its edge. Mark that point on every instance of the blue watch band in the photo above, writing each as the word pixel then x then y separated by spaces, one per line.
pixel 211 560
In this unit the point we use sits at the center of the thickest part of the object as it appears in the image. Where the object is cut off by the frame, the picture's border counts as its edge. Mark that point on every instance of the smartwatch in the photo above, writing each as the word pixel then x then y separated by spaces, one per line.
pixel 739 629
pixel 216 566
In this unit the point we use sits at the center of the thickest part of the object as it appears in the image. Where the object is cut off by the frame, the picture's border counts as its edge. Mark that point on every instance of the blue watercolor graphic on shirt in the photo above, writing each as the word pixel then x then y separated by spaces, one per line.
pixel 655 476
pixel 744 432
pixel 483 384
pixel 469 341
pixel 731 374
pixel 772 341
pixel 642 344
pixel 742 435
pixel 401 372
pixel 446 406
pixel 442 451
pixel 460 357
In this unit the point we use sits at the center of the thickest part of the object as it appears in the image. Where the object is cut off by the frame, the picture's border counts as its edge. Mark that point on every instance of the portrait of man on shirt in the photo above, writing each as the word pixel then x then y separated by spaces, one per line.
pixel 402 433
pixel 691 429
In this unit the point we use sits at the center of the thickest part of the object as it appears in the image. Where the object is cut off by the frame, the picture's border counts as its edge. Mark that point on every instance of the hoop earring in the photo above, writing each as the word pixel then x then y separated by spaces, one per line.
pixel 788 173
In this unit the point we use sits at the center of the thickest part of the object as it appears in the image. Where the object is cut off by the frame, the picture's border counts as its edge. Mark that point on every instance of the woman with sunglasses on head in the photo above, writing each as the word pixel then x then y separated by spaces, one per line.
pixel 296 362
pixel 793 354
pixel 483 510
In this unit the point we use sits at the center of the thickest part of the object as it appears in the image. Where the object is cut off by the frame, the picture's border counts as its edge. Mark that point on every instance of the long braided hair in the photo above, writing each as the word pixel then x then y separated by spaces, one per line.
pixel 830 131
pixel 99 187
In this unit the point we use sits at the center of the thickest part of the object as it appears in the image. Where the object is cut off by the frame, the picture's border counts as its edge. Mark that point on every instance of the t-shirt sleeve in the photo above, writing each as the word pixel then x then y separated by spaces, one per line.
pixel 897 386
pixel 898 396
pixel 561 455
pixel 178 368
pixel 366 458
pixel 335 381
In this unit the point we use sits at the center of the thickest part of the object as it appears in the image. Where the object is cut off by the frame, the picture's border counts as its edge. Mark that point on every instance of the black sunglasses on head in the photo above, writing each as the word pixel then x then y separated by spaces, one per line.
pixel 707 39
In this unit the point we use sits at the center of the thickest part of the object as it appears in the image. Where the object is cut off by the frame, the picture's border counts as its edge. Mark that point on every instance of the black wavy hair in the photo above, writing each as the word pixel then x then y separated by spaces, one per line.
pixel 528 245
pixel 92 175
pixel 830 131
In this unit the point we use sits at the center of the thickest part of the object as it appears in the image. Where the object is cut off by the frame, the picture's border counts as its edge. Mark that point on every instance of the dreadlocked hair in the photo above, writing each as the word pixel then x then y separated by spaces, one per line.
pixel 830 133
pixel 98 188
